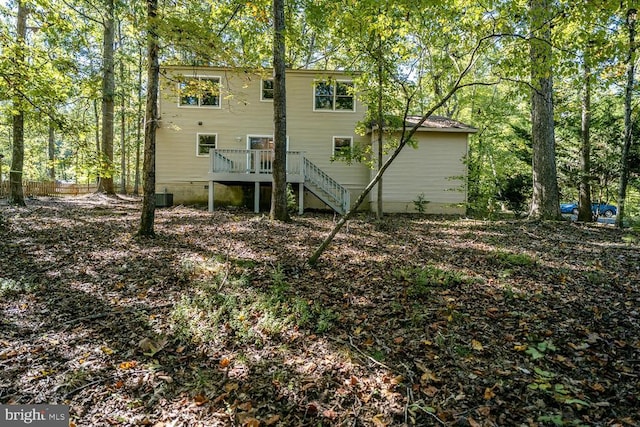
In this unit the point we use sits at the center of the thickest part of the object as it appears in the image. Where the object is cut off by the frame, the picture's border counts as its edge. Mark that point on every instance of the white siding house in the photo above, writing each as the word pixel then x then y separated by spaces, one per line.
pixel 215 135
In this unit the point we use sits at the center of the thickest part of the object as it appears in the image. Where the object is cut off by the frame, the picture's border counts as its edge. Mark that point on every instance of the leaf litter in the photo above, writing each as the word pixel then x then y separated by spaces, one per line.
pixel 218 321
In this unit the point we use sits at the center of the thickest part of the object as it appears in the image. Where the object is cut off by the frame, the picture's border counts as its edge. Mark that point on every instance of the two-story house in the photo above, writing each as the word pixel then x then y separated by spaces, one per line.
pixel 216 135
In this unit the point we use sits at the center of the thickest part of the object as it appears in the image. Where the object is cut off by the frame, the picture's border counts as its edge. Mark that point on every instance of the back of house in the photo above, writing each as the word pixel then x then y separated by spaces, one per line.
pixel 216 133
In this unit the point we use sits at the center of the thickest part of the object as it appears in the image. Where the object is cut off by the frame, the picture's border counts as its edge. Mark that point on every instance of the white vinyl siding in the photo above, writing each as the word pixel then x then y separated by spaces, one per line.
pixel 435 168
pixel 242 115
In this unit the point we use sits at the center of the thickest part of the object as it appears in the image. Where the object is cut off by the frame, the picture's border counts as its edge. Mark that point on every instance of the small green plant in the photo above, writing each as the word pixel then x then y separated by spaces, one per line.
pixel 440 340
pixel 538 350
pixel 76 378
pixel 326 319
pixel 10 287
pixel 201 269
pixel 202 381
pixel 378 355
pixel 547 382
pixel 462 350
pixel 509 293
pixel 509 259
pixel 420 203
pixel 555 419
pixel 292 204
pixel 417 407
pixel 280 286
pixel 423 280
pixel 301 312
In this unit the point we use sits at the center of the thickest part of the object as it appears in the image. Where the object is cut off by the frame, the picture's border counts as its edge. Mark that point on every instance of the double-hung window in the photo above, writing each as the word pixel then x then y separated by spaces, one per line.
pixel 200 92
pixel 206 142
pixel 342 146
pixel 334 95
pixel 266 93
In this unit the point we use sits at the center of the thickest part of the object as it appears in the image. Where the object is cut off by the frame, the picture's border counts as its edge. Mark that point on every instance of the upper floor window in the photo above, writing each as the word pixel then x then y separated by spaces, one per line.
pixel 206 142
pixel 200 92
pixel 267 90
pixel 334 96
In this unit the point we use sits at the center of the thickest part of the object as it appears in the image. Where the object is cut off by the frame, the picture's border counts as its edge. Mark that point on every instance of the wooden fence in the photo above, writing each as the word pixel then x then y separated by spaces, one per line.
pixel 49 188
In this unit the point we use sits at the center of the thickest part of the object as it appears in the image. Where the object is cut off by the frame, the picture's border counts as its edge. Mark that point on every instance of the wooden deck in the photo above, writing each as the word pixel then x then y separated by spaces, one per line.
pixel 252 166
pixel 257 166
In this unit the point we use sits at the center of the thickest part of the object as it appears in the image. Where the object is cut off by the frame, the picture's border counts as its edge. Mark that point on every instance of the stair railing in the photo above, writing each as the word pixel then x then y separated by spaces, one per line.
pixel 337 195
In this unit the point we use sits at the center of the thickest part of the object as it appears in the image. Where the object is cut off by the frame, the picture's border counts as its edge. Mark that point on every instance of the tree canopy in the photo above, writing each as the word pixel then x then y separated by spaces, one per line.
pixel 407 57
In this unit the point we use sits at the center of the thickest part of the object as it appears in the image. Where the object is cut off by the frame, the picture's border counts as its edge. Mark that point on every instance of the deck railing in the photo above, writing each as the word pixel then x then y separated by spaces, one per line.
pixel 226 163
pixel 252 161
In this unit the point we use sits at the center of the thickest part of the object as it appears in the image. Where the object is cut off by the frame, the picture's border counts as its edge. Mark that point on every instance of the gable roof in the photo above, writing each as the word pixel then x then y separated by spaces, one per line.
pixel 433 123
pixel 439 124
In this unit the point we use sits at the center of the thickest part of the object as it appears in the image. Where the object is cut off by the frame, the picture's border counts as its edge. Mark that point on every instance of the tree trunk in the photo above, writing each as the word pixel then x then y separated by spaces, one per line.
pixel 545 201
pixel 585 213
pixel 51 145
pixel 123 148
pixel 136 180
pixel 279 209
pixel 151 123
pixel 380 120
pixel 632 15
pixel 16 195
pixel 96 117
pixel 105 184
pixel 123 126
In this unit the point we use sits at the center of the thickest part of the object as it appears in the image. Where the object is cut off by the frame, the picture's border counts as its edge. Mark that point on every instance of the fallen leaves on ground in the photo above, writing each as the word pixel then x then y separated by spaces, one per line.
pixel 218 321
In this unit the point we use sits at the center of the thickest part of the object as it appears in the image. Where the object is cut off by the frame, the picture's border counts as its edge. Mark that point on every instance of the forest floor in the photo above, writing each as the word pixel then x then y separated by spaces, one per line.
pixel 219 321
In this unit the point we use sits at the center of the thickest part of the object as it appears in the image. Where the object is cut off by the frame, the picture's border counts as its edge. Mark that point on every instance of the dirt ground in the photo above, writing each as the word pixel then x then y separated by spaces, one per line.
pixel 219 321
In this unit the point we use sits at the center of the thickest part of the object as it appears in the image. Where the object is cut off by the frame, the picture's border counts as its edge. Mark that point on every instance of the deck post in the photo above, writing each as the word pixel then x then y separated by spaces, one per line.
pixel 256 197
pixel 211 196
pixel 300 198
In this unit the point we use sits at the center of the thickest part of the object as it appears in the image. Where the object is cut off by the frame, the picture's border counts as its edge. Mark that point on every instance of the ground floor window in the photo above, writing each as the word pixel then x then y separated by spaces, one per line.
pixel 342 145
pixel 206 142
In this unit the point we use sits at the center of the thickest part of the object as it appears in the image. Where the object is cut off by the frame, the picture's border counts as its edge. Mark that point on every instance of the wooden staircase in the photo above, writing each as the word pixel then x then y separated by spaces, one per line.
pixel 256 166
pixel 327 189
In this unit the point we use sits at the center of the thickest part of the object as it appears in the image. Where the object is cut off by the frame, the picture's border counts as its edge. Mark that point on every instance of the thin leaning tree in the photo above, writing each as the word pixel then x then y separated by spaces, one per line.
pixel 405 137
